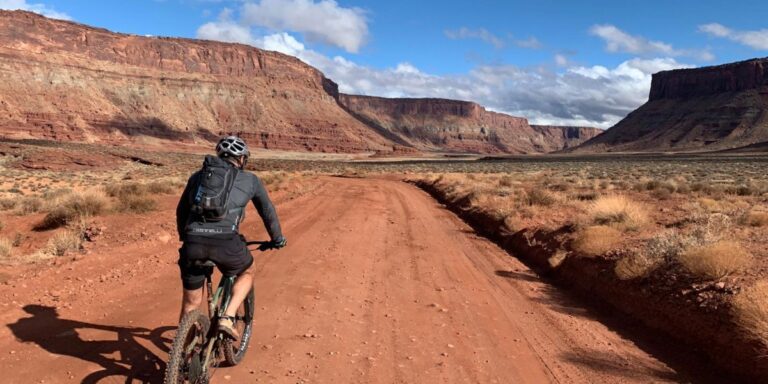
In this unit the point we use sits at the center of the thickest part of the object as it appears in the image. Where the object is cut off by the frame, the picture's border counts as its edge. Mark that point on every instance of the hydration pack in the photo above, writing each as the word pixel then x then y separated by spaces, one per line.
pixel 214 184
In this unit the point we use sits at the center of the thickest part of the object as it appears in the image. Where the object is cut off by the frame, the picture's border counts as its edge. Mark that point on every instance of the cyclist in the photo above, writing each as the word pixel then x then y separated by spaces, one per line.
pixel 207 236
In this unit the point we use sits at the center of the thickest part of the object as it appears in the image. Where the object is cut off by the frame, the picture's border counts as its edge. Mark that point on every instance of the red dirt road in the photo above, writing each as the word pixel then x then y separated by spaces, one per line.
pixel 379 284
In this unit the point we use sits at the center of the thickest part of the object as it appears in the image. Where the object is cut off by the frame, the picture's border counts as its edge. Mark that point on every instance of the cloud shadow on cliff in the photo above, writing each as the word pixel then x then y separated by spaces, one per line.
pixel 156 128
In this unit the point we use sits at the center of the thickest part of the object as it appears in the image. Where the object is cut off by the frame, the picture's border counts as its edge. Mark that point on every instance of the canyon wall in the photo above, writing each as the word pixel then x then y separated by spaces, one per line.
pixel 563 137
pixel 65 81
pixel 460 126
pixel 69 82
pixel 704 109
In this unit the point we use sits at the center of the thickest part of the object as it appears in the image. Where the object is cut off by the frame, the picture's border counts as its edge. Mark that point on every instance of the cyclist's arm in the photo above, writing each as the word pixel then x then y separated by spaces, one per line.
pixel 266 210
pixel 182 209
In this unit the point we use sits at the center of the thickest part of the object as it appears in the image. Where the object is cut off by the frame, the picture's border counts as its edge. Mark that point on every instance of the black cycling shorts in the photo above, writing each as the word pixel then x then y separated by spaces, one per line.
pixel 231 256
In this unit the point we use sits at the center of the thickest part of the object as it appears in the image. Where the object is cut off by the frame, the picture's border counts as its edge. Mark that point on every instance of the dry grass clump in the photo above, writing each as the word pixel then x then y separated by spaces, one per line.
pixel 716 260
pixel 66 241
pixel 30 205
pixel 756 219
pixel 498 206
pixel 136 197
pixel 540 196
pixel 596 240
pixel 74 207
pixel 5 247
pixel 136 189
pixel 636 265
pixel 136 204
pixel 7 204
pixel 710 205
pixel 619 212
pixel 751 310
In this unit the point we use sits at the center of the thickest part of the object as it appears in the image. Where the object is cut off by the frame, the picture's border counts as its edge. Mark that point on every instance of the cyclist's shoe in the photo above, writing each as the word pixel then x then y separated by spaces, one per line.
pixel 227 326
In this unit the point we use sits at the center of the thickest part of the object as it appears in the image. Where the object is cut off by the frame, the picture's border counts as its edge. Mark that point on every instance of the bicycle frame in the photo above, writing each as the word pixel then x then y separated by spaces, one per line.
pixel 223 293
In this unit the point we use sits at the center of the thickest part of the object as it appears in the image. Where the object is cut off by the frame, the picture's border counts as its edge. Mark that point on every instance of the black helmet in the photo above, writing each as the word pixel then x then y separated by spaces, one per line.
pixel 232 146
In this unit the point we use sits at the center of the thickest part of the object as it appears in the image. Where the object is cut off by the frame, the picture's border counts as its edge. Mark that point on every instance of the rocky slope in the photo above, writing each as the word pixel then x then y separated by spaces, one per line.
pixel 452 125
pixel 67 81
pixel 706 109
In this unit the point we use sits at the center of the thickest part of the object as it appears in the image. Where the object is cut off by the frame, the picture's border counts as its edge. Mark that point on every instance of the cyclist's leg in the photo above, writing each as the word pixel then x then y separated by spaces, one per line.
pixel 192 279
pixel 191 300
pixel 236 260
pixel 243 285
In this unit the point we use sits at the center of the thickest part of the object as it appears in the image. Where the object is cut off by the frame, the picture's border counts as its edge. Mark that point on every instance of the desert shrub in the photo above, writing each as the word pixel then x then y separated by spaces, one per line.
pixel 586 196
pixel 136 204
pixel 494 204
pixel 540 196
pixel 596 240
pixel 716 260
pixel 661 194
pixel 66 241
pixel 635 265
pixel 56 193
pixel 74 207
pixel 5 247
pixel 161 187
pixel 710 205
pixel 751 309
pixel 8 204
pixel 506 181
pixel 756 219
pixel 30 205
pixel 559 187
pixel 619 212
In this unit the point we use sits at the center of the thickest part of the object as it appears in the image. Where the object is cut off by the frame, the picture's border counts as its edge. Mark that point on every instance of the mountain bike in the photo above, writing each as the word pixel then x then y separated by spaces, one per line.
pixel 198 348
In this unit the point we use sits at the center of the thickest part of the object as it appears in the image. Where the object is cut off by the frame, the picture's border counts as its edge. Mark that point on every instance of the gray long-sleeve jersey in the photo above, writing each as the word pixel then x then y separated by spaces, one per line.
pixel 247 187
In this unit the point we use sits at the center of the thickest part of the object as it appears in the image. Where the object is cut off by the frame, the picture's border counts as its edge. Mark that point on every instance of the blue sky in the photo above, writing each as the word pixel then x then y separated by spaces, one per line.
pixel 563 62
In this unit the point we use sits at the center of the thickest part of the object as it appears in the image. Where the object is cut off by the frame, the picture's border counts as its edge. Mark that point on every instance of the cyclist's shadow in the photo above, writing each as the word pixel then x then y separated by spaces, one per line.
pixel 134 362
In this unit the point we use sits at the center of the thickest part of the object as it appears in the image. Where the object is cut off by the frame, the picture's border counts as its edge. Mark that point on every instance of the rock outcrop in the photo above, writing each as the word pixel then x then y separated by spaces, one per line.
pixel 564 137
pixel 706 109
pixel 66 81
pixel 459 126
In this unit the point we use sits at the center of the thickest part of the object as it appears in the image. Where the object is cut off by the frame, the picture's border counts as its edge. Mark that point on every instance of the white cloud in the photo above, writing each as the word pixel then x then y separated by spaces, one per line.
pixel 594 96
pixel 323 21
pixel 226 30
pixel 754 39
pixel 481 33
pixel 575 95
pixel 617 40
pixel 40 8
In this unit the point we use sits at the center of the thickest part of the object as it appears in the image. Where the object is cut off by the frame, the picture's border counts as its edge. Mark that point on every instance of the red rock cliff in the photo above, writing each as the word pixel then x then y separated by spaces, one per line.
pixel 453 125
pixel 703 109
pixel 66 81
pixel 685 83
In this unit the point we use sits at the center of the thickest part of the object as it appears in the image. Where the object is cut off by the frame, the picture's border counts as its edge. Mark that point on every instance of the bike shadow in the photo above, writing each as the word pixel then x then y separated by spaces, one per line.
pixel 132 361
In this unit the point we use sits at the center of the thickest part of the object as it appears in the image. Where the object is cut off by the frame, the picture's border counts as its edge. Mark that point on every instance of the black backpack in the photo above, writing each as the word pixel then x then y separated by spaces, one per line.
pixel 214 184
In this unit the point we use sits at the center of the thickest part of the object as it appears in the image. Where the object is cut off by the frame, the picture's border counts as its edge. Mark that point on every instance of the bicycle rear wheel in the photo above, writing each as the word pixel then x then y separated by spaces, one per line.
pixel 234 351
pixel 185 363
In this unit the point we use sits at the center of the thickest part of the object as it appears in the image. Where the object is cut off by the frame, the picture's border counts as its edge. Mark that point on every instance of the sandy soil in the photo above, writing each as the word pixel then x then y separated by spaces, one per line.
pixel 379 284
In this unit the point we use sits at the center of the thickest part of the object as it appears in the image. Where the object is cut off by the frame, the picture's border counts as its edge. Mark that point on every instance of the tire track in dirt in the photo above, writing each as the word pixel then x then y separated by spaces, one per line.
pixel 379 284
